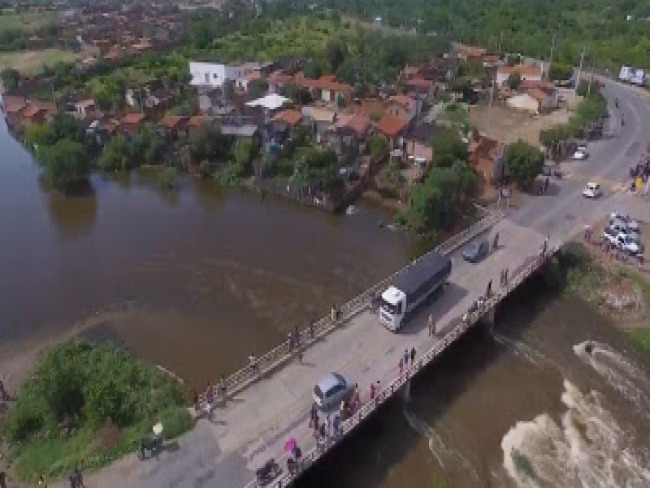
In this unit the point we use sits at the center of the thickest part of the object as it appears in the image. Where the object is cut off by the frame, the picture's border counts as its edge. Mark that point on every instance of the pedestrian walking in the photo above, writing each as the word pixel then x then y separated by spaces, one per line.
pixel 373 391
pixel 333 313
pixel 406 358
pixel 505 277
pixel 501 278
pixel 587 232
pixel 300 356
pixel 356 399
pixel 336 425
pixel 223 387
pixel 488 292
pixel 412 356
pixel 290 340
pixel 79 477
pixel 546 183
pixel 209 399
pixel 316 420
pixel 3 479
pixel 323 431
pixel 432 325
pixel 252 361
pixel 401 366
pixel 545 246
pixel 328 425
pixel 296 336
pixel 495 242
pixel 311 329
pixel 195 400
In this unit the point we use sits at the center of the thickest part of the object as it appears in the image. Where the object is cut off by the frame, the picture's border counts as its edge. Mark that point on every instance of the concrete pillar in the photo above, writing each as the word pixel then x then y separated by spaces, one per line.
pixel 406 391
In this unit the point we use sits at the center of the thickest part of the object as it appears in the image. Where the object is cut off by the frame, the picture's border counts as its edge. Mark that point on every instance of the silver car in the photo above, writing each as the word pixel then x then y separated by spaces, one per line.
pixel 331 390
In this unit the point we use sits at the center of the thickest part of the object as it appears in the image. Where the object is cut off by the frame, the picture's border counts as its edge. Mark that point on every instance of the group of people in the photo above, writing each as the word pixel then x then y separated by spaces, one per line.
pixel 209 396
pixel 404 360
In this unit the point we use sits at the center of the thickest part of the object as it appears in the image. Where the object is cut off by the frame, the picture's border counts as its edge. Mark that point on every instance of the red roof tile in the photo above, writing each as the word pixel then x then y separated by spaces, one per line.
pixel 13 104
pixel 172 122
pixel 390 126
pixel 133 119
pixel 326 82
pixel 290 116
pixel 359 123
pixel 31 111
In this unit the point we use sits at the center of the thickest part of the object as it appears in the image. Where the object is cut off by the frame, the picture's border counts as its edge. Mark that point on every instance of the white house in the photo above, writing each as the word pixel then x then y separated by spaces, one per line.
pixel 215 74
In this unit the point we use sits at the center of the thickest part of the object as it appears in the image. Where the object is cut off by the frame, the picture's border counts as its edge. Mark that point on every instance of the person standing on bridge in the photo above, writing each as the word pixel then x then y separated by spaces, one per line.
pixel 401 366
pixel 406 358
pixel 488 292
pixel 373 391
pixel 412 356
pixel 432 325
pixel 495 242
pixel 252 361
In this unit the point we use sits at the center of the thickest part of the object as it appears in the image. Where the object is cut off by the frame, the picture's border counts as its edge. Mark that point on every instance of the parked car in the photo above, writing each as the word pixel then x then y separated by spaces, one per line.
pixel 476 251
pixel 592 190
pixel 618 226
pixel 631 223
pixel 610 235
pixel 626 243
pixel 580 154
pixel 331 390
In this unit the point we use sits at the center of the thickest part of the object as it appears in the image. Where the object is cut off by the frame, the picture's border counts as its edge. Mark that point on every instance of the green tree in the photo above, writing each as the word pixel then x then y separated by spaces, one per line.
pixel 377 146
pixel 514 80
pixel 524 162
pixel 41 135
pixel 336 53
pixel 448 148
pixel 314 69
pixel 560 72
pixel 116 154
pixel 257 88
pixel 65 164
pixel 10 79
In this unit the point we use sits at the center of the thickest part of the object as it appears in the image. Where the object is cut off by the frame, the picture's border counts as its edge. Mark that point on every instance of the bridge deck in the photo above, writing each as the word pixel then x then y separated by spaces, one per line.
pixel 254 425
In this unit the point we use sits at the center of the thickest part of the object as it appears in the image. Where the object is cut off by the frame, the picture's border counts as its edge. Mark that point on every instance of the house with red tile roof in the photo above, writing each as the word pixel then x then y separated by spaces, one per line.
pixel 289 117
pixel 392 128
pixel 174 124
pixel 402 106
pixel 326 88
pixel 13 106
pixel 278 81
pixel 33 115
pixel 131 122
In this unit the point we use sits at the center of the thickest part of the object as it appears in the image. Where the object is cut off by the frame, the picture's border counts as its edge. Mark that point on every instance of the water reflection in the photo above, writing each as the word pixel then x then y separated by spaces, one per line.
pixel 72 216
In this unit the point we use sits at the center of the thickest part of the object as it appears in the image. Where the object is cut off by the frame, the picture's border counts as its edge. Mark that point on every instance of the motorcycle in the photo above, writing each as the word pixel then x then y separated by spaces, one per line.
pixel 267 473
pixel 152 443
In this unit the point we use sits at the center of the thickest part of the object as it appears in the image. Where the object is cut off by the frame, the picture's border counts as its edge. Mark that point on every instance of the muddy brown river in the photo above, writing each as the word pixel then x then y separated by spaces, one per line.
pixel 198 280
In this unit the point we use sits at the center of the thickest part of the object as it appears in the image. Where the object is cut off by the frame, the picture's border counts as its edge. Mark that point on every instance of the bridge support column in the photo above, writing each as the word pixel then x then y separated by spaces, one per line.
pixel 406 391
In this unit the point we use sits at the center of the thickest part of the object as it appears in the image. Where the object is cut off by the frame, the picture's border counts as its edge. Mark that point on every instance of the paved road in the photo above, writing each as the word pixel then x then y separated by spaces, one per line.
pixel 253 427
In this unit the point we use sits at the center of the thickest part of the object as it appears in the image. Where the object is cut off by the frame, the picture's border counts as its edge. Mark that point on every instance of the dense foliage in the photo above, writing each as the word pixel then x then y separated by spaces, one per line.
pixel 62 152
pixel 77 391
pixel 437 204
pixel 520 26
pixel 524 162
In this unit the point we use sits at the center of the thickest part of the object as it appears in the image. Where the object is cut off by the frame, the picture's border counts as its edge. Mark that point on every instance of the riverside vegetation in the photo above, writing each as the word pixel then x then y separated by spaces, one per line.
pixel 88 404
pixel 615 290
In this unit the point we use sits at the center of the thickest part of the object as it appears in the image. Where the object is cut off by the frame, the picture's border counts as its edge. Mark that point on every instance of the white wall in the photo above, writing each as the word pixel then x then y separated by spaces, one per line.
pixel 214 74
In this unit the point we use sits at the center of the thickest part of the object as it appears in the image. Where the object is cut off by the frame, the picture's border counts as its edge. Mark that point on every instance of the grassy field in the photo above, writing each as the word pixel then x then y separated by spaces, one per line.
pixel 29 21
pixel 295 36
pixel 641 338
pixel 31 62
pixel 88 404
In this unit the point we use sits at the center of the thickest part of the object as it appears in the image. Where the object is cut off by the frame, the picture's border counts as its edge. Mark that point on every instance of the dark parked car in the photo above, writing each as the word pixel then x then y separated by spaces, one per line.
pixel 476 251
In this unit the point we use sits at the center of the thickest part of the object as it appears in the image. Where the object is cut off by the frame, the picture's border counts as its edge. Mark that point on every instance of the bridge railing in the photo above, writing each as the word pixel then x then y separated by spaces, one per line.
pixel 242 378
pixel 367 409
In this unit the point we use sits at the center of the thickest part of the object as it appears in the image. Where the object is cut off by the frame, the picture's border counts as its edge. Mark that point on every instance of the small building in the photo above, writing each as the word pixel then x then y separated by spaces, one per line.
pixel 418 141
pixel 547 101
pixel 467 52
pixel 84 108
pixel 483 152
pixel 527 72
pixel 392 128
pixel 216 74
pixel 286 120
pixel 327 89
pixel 174 124
pixel 524 101
pixel 243 131
pixel 320 119
pixel 278 81
pixel 131 122
pixel 33 115
pixel 402 106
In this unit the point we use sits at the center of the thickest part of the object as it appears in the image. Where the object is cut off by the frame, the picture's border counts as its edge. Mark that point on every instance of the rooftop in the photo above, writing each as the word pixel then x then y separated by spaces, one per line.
pixel 522 69
pixel 390 125
pixel 247 130
pixel 289 116
pixel 358 123
pixel 133 119
pixel 270 102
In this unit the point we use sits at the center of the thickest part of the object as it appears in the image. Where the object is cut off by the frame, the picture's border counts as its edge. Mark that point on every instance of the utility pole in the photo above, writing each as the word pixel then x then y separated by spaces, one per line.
pixel 582 58
pixel 550 59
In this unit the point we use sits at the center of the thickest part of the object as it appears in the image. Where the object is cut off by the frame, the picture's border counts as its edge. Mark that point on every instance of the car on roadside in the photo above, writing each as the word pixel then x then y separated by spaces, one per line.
pixel 592 190
pixel 610 235
pixel 477 251
pixel 632 224
pixel 619 226
pixel 331 390
pixel 626 243
pixel 579 155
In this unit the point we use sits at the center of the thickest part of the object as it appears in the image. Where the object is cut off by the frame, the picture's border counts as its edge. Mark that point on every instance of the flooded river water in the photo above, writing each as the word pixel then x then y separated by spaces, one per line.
pixel 197 281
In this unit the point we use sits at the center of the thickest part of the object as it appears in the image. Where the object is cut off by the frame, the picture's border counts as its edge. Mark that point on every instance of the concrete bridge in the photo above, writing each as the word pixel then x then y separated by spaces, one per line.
pixel 269 402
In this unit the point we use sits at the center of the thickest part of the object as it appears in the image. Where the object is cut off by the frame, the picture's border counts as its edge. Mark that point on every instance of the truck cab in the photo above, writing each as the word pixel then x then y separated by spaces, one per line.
pixel 393 308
